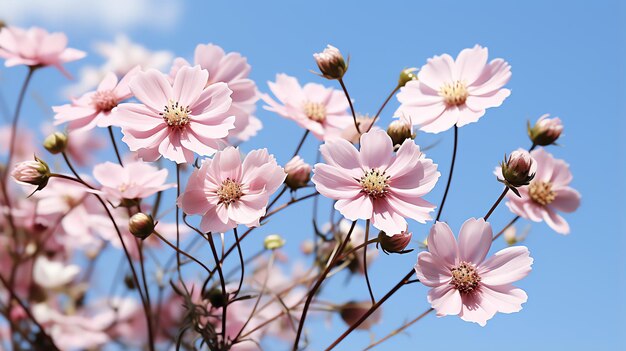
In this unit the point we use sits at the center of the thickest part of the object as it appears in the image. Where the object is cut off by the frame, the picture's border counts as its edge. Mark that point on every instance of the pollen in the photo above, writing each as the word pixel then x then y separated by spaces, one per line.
pixel 464 277
pixel 229 191
pixel 104 101
pixel 541 192
pixel 375 183
pixel 454 94
pixel 315 111
pixel 175 115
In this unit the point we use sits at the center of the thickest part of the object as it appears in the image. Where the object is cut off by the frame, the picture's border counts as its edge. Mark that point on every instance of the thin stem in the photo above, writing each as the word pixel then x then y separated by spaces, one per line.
pixel 369 312
pixel 317 285
pixel 505 228
pixel 241 262
pixel 181 251
pixel 180 275
pixel 356 248
pixel 495 204
pixel 218 264
pixel 300 144
pixel 380 110
pixel 282 191
pixel 16 116
pixel 399 330
pixel 356 124
pixel 71 167
pixel 117 151
pixel 445 194
pixel 367 278
pixel 145 287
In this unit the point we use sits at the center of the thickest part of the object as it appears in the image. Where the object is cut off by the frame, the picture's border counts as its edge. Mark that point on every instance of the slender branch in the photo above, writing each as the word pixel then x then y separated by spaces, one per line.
pixel 367 279
pixel 380 110
pixel 445 194
pixel 301 143
pixel 505 228
pixel 181 251
pixel 495 204
pixel 241 262
pixel 117 151
pixel 356 124
pixel 145 287
pixel 218 264
pixel 317 285
pixel 399 330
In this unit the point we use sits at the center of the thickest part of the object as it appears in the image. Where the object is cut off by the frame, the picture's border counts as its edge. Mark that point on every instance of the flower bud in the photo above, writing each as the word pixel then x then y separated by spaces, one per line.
pixel 518 170
pixel 298 173
pixel 510 236
pixel 141 225
pixel 352 311
pixel 399 130
pixel 307 247
pixel 331 63
pixel 396 243
pixel 407 75
pixel 216 297
pixel 273 242
pixel 34 172
pixel 55 143
pixel 546 131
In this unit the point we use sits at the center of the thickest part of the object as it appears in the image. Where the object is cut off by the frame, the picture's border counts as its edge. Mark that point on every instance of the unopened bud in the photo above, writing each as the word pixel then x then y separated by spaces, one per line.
pixel 141 225
pixel 34 172
pixel 307 247
pixel 407 75
pixel 546 131
pixel 298 173
pixel 216 297
pixel 129 282
pixel 396 243
pixel 399 130
pixel 331 63
pixel 55 143
pixel 352 311
pixel 273 242
pixel 518 170
pixel 510 235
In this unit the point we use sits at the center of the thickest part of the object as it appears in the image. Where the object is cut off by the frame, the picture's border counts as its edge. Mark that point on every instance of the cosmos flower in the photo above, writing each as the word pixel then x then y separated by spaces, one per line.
pixel 452 92
pixel 374 183
pixel 463 282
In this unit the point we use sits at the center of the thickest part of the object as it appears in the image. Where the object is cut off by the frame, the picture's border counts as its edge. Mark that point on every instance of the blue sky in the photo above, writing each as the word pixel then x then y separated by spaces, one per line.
pixel 567 60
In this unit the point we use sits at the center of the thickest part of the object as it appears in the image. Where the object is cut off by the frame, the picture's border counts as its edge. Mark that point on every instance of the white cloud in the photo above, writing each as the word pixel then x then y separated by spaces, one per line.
pixel 112 15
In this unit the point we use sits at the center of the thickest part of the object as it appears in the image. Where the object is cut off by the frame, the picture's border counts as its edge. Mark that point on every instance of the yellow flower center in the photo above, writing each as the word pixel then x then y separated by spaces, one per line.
pixel 175 115
pixel 229 191
pixel 454 94
pixel 541 192
pixel 315 111
pixel 464 277
pixel 375 183
pixel 104 101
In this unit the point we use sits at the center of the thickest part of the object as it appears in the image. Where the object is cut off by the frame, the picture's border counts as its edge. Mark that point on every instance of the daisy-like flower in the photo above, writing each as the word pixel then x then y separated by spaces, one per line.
pixel 462 282
pixel 452 92
pixel 36 47
pixel 93 108
pixel 323 111
pixel 136 180
pixel 374 183
pixel 227 192
pixel 175 120
pixel 232 69
pixel 547 193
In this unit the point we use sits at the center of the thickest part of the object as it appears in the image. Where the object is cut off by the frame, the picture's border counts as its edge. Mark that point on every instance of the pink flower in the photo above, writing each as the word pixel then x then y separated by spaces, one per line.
pixel 321 110
pixel 454 92
pixel 546 131
pixel 227 192
pixel 298 173
pixel 232 69
pixel 136 180
pixel 462 282
pixel 375 184
pixel 547 193
pixel 175 120
pixel 36 47
pixel 94 108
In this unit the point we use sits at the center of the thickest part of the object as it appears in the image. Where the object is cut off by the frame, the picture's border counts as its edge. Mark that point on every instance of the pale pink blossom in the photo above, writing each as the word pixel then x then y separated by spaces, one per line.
pixel 298 173
pixel 228 192
pixel 36 47
pixel 93 109
pixel 135 180
pixel 232 69
pixel 374 183
pixel 82 146
pixel 331 63
pixel 175 120
pixel 466 284
pixel 53 274
pixel 546 130
pixel 547 193
pixel 452 92
pixel 323 111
